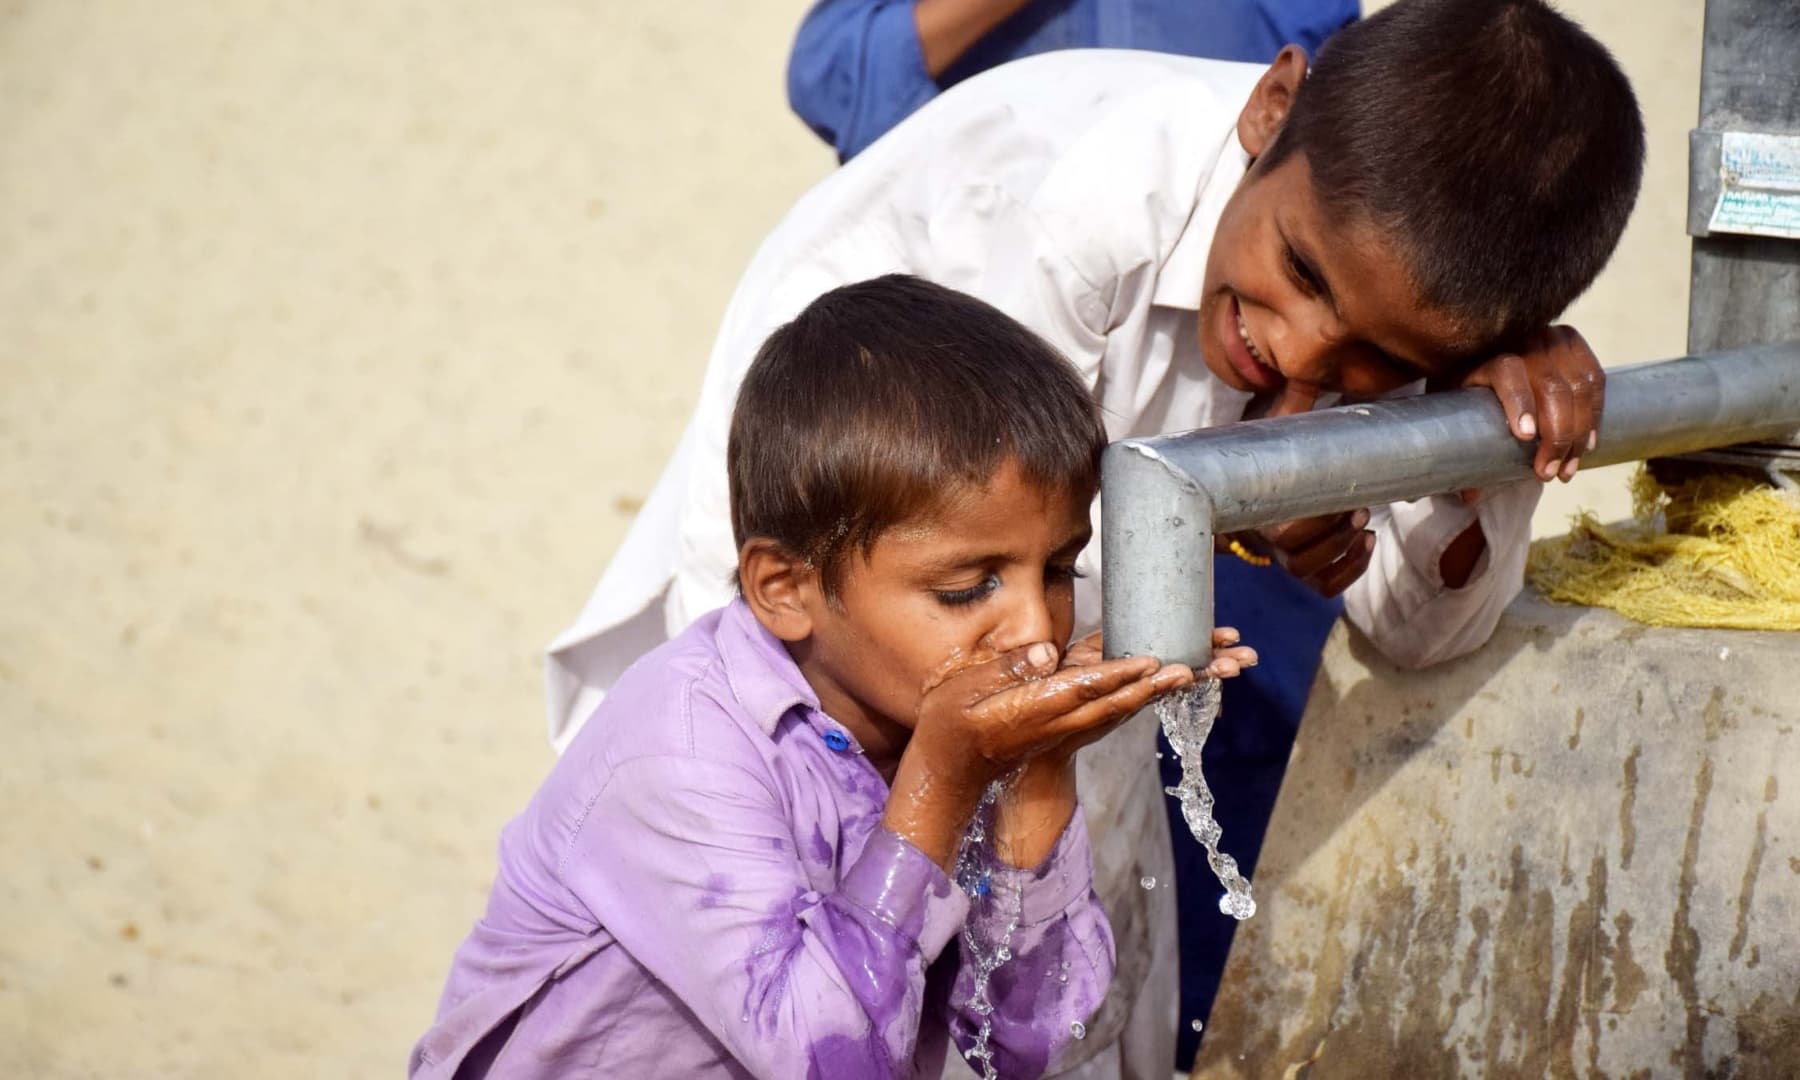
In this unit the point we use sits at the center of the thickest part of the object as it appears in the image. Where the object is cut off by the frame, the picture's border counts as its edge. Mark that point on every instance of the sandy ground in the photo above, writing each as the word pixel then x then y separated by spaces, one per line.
pixel 340 341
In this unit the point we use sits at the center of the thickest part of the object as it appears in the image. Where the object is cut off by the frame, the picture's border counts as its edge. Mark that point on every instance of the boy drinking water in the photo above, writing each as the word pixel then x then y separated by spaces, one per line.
pixel 741 865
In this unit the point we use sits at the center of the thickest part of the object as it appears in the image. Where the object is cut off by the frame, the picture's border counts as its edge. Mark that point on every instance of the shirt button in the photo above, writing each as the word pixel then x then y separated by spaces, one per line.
pixel 837 740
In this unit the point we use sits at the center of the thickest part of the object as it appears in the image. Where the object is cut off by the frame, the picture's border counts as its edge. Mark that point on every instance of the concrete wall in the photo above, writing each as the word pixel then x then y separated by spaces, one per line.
pixel 339 343
pixel 1569 854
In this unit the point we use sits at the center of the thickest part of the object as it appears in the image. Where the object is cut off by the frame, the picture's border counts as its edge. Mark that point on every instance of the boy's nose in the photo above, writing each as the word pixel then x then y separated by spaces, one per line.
pixel 1026 621
pixel 1303 352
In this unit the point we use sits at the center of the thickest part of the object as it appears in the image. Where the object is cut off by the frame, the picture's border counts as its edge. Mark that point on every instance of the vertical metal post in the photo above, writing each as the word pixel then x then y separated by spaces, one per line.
pixel 1745 288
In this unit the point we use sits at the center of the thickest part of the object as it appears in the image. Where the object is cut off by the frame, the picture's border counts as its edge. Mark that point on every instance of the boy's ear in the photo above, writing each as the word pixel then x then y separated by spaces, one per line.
pixel 1269 103
pixel 781 589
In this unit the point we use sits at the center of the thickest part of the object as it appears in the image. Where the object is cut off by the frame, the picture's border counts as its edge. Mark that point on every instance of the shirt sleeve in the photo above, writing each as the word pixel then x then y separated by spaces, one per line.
pixel 856 70
pixel 691 865
pixel 1058 962
pixel 1402 603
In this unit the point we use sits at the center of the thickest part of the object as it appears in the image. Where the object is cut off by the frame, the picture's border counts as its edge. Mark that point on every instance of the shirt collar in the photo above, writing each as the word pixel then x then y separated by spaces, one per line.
pixel 763 677
pixel 1182 276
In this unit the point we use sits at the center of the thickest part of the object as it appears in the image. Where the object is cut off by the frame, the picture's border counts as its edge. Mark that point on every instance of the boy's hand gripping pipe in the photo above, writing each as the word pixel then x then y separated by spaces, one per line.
pixel 1165 497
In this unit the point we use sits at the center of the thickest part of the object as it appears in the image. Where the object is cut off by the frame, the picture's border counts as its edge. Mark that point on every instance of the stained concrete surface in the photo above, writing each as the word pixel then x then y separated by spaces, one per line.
pixel 338 344
pixel 1568 854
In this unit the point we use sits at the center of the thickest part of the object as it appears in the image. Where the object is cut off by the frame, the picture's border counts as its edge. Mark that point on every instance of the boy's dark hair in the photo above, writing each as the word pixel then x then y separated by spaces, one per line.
pixel 1497 143
pixel 884 397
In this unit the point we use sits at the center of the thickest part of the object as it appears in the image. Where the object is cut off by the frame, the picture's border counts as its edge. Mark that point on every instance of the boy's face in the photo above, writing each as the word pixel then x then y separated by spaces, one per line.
pixel 1300 304
pixel 988 571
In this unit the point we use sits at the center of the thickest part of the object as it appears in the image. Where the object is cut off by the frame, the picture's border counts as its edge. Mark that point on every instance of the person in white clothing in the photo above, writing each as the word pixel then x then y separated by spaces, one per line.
pixel 1210 241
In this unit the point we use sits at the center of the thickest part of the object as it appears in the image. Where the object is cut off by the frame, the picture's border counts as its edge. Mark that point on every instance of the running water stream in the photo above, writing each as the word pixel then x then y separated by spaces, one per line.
pixel 1187 719
pixel 975 865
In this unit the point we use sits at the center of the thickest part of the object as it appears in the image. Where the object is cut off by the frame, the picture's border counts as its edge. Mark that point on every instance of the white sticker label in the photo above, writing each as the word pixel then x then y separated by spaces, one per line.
pixel 1759 185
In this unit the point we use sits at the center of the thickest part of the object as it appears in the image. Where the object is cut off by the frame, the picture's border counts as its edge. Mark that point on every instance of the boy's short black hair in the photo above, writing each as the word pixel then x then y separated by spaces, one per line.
pixel 1497 143
pixel 883 398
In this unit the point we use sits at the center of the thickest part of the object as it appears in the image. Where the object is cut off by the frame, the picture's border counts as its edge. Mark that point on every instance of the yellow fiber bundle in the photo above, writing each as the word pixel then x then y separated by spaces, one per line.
pixel 1716 550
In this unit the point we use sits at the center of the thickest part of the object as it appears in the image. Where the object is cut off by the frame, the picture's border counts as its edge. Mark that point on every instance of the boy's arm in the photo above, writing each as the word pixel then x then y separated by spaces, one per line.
pixel 949 28
pixel 1448 571
pixel 1402 602
pixel 1039 899
pixel 1439 573
pixel 692 866
pixel 1060 960
pixel 857 69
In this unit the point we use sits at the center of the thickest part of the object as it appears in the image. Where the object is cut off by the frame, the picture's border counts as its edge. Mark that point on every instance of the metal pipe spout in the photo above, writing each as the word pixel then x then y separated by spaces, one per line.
pixel 1164 498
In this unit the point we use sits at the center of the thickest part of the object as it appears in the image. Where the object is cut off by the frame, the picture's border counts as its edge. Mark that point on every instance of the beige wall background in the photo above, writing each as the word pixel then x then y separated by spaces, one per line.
pixel 338 344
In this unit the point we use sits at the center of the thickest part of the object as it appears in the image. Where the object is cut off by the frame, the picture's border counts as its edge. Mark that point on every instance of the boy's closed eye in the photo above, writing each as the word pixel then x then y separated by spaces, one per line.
pixel 1054 574
pixel 978 591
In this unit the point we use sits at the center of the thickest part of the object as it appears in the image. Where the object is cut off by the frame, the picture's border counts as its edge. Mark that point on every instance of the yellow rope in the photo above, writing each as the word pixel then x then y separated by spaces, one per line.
pixel 1718 551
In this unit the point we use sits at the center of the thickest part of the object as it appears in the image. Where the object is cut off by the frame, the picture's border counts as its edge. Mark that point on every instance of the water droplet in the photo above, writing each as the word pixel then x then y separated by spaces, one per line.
pixel 1078 1029
pixel 1237 905
pixel 1147 882
pixel 1196 1025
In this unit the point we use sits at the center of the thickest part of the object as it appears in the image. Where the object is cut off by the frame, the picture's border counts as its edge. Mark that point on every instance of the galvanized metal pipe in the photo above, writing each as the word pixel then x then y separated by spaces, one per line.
pixel 1164 498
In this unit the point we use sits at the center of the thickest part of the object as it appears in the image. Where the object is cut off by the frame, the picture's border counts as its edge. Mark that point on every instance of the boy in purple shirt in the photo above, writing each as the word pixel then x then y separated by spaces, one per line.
pixel 742 866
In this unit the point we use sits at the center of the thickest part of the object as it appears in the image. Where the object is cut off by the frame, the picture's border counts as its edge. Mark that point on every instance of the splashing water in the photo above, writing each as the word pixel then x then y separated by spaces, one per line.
pixel 1187 719
pixel 975 864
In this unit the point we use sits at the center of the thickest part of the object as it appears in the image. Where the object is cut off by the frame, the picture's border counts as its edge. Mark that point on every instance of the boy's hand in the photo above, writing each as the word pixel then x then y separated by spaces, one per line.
pixel 977 722
pixel 983 719
pixel 1327 553
pixel 1037 805
pixel 1553 390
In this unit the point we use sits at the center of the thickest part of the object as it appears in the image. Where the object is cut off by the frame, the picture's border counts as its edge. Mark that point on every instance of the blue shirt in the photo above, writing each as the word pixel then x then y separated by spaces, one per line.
pixel 857 69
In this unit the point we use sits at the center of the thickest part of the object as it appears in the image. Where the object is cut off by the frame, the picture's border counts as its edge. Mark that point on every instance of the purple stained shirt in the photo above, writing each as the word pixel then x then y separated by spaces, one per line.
pixel 702 888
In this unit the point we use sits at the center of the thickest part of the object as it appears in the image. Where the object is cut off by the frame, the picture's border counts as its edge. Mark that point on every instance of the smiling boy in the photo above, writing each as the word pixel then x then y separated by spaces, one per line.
pixel 1210 242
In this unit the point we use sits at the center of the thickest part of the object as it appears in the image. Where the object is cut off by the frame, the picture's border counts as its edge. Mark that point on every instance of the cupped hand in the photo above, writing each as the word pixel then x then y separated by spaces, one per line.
pixel 1553 390
pixel 984 719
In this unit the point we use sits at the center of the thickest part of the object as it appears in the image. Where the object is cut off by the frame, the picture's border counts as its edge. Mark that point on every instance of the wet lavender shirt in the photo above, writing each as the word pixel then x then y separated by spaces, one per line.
pixel 702 887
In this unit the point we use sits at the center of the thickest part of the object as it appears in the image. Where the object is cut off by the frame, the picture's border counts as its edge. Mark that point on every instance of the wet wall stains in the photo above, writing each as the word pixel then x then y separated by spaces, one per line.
pixel 1629 980
pixel 1682 958
pixel 1752 870
pixel 1715 721
pixel 1628 803
pixel 1768 1038
pixel 1585 978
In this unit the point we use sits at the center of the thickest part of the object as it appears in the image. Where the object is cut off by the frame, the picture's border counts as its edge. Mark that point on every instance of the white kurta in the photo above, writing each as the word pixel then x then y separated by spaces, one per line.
pixel 1077 191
